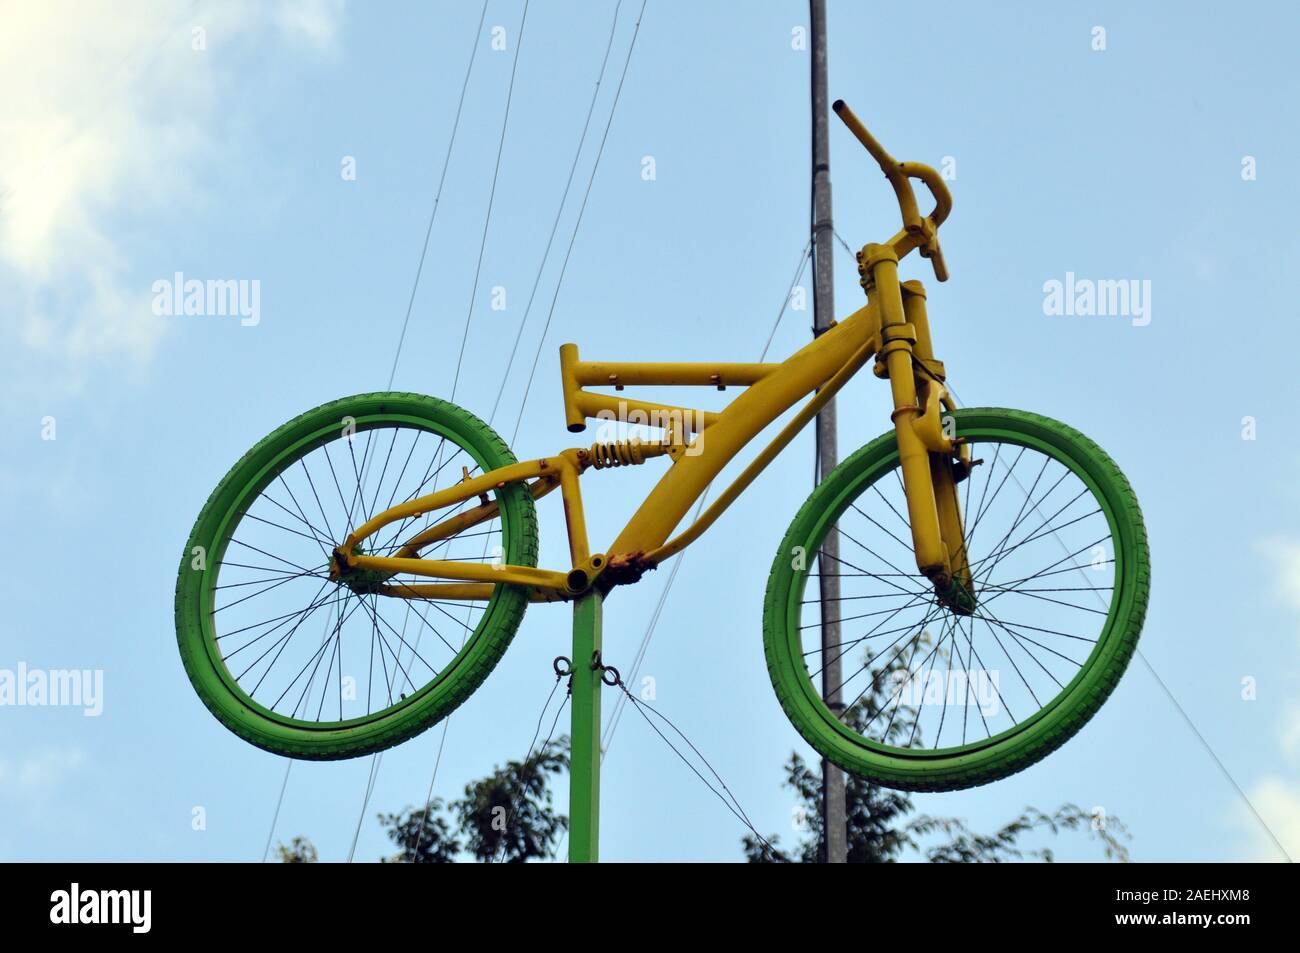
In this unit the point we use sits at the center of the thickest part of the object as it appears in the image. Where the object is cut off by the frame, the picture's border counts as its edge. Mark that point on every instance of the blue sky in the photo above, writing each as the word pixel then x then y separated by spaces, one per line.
pixel 132 156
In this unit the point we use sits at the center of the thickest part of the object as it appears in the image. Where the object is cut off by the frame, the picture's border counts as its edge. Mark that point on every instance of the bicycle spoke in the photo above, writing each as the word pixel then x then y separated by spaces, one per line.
pixel 941 658
pixel 288 531
pixel 276 585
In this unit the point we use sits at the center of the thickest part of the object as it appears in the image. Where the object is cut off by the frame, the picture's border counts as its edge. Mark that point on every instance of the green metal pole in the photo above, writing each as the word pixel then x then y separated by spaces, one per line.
pixel 584 751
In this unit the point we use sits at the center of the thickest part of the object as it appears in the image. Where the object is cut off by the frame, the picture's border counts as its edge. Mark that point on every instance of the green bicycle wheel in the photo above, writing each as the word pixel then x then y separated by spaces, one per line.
pixel 933 700
pixel 312 668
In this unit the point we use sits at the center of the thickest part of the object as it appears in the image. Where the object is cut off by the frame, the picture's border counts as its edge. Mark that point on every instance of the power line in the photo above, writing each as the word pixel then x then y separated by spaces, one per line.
pixel 1173 700
pixel 377 759
pixel 564 198
pixel 514 804
pixel 581 209
pixel 559 282
pixel 785 303
pixel 370 787
pixel 620 703
pixel 276 816
pixel 437 197
pixel 428 797
pixel 492 196
pixel 540 269
pixel 729 798
pixel 672 575
pixel 400 341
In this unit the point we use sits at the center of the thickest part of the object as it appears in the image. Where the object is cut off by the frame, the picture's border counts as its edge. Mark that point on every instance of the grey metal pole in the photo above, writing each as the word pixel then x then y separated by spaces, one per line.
pixel 835 848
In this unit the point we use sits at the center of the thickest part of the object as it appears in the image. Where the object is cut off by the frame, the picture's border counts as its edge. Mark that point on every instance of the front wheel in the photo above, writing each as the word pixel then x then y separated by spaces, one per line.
pixel 933 700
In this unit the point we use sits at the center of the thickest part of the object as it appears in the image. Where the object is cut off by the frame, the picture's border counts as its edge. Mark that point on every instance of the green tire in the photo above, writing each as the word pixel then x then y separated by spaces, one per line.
pixel 293 737
pixel 1012 750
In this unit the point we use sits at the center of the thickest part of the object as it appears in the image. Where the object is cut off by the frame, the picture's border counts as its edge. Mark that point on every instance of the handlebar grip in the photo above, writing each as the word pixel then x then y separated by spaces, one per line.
pixel 934 252
pixel 940 267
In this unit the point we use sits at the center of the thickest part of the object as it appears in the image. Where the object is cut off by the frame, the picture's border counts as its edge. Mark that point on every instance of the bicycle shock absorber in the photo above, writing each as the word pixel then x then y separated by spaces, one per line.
pixel 622 453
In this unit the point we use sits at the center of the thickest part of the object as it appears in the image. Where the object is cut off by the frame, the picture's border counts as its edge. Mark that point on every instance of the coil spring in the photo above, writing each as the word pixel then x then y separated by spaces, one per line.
pixel 623 453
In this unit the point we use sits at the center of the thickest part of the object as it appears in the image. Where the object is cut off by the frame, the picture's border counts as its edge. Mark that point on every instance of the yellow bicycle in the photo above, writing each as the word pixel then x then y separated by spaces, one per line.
pixel 357 575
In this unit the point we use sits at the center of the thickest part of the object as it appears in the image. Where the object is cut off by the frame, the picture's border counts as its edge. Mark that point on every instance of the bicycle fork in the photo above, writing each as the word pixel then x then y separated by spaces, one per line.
pixel 932 460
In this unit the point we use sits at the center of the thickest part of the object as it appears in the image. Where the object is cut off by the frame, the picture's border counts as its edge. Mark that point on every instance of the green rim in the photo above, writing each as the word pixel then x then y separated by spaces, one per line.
pixel 1027 741
pixel 384 727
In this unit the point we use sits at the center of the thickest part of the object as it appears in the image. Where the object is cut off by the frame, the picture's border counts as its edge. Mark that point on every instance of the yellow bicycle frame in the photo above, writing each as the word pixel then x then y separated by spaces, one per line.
pixel 893 328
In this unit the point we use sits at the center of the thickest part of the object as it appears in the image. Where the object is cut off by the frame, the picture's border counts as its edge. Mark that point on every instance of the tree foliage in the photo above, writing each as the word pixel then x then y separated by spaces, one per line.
pixel 422 835
pixel 879 828
pixel 506 817
pixel 509 816
pixel 878 823
pixel 297 851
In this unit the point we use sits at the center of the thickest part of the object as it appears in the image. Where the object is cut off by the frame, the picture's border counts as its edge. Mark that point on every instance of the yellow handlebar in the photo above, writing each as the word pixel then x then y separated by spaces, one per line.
pixel 918 231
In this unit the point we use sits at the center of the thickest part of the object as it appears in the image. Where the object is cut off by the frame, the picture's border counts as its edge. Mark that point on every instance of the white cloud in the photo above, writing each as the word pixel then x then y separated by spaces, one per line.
pixel 314 21
pixel 1277 799
pixel 104 111
pixel 1278 803
pixel 39 789
pixel 37 775
pixel 1285 554
pixel 1291 733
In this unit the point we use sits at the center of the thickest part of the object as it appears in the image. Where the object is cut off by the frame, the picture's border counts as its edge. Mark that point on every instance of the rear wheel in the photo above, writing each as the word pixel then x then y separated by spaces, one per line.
pixel 935 700
pixel 312 668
